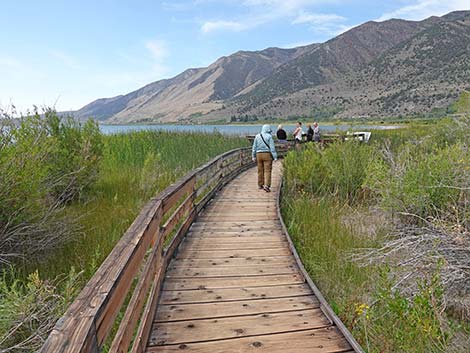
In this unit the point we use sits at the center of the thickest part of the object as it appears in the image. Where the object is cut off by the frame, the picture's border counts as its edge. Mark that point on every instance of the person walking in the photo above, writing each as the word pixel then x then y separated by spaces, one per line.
pixel 281 134
pixel 263 153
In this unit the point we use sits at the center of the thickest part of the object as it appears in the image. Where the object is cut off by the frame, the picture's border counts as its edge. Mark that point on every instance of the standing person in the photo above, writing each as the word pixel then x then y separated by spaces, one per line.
pixel 263 153
pixel 309 133
pixel 298 132
pixel 316 132
pixel 281 134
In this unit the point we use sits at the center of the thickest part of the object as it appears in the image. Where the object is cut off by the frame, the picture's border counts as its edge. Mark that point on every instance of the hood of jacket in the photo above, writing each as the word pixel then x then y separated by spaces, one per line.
pixel 266 129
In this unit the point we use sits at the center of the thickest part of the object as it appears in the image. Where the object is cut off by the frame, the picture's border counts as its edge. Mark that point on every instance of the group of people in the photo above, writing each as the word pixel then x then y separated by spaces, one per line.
pixel 264 150
pixel 313 133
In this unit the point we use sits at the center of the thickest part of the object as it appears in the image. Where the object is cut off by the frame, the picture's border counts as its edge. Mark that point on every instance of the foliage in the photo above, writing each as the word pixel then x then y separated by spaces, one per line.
pixel 381 317
pixel 135 166
pixel 338 170
pixel 390 279
pixel 426 177
pixel 395 323
pixel 44 162
pixel 462 104
pixel 28 310
pixel 74 162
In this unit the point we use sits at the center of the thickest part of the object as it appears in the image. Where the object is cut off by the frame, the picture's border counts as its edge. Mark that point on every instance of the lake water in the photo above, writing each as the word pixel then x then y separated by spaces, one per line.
pixel 237 130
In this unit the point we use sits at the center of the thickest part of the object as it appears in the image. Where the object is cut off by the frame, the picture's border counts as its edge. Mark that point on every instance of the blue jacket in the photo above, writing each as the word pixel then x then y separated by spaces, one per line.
pixel 260 146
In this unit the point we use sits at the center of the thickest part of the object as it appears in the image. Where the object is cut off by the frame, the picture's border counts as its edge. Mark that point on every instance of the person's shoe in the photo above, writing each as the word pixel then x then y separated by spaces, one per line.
pixel 267 189
pixel 260 187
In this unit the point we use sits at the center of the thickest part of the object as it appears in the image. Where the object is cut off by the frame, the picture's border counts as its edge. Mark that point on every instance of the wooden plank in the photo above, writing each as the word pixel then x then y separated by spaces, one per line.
pixel 133 311
pixel 231 294
pixel 235 233
pixel 243 224
pixel 177 312
pixel 176 191
pixel 202 240
pixel 237 217
pixel 207 246
pixel 175 218
pixel 234 242
pixel 176 241
pixel 145 326
pixel 273 260
pixel 233 327
pixel 231 282
pixel 323 340
pixel 217 254
pixel 248 226
pixel 193 272
pixel 239 207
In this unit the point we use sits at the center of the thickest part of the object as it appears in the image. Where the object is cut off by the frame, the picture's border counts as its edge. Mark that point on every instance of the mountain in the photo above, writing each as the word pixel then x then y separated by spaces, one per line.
pixel 194 92
pixel 424 67
pixel 395 67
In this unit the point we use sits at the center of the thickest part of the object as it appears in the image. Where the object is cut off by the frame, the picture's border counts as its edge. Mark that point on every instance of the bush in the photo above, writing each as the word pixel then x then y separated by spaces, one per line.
pixel 44 162
pixel 428 178
pixel 74 161
pixel 29 311
pixel 338 170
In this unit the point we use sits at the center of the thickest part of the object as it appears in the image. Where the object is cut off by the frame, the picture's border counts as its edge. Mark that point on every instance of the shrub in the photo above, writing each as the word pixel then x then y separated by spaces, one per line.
pixel 423 179
pixel 78 149
pixel 338 170
pixel 44 162
pixel 29 311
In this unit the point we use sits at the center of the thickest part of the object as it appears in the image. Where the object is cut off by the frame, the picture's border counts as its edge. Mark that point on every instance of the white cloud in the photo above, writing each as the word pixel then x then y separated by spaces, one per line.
pixel 158 49
pixel 317 18
pixel 260 12
pixel 211 26
pixel 420 9
pixel 65 59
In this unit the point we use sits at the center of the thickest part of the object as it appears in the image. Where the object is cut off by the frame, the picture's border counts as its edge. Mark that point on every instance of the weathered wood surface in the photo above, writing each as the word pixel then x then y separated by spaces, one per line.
pixel 204 274
pixel 129 280
pixel 234 284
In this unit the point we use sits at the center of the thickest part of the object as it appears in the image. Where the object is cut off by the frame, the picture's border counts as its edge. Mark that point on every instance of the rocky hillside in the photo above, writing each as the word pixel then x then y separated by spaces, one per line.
pixel 194 92
pixel 388 68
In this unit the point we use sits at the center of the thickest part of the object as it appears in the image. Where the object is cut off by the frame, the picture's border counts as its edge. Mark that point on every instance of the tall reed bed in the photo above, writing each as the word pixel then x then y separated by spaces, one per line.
pixel 135 166
pixel 383 230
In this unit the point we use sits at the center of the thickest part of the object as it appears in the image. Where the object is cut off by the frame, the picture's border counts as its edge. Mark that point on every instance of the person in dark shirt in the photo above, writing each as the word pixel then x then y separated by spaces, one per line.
pixel 309 133
pixel 281 134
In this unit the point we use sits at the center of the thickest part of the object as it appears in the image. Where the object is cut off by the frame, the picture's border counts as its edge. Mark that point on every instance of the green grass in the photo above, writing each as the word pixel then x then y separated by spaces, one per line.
pixel 336 204
pixel 135 167
pixel 381 319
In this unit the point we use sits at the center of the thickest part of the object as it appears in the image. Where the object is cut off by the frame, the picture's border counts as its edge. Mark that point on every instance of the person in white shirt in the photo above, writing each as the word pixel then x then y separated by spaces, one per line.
pixel 298 133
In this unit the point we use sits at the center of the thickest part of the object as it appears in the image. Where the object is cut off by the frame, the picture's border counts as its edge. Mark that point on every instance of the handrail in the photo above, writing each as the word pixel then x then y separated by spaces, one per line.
pixel 133 272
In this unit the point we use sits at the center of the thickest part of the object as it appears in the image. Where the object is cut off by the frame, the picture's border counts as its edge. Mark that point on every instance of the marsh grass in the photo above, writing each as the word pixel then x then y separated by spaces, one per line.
pixel 135 167
pixel 334 212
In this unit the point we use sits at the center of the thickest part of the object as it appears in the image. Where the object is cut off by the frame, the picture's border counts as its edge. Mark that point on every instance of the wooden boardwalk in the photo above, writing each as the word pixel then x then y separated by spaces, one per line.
pixel 206 266
pixel 235 286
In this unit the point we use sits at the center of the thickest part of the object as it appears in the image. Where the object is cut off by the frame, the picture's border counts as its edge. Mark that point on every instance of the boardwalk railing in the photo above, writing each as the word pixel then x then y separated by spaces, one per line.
pixel 129 280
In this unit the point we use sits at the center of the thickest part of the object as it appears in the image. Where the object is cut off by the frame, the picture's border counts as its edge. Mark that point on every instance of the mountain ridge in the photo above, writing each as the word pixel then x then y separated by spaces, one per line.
pixel 367 70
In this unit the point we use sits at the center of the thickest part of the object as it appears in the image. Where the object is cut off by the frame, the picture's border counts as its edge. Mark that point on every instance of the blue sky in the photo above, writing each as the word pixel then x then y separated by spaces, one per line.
pixel 68 53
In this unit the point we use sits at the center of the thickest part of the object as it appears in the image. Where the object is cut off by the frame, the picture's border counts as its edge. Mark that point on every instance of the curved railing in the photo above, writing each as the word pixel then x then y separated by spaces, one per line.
pixel 129 280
